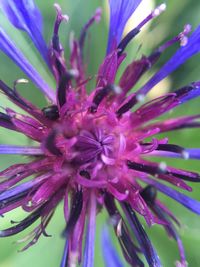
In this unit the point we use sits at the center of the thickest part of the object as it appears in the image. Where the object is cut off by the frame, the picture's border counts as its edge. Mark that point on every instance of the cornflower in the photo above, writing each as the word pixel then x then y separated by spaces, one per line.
pixel 94 151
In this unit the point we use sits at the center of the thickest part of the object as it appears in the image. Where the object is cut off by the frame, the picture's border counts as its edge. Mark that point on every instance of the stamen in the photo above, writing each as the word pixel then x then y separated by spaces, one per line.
pixel 145 244
pixel 129 248
pixel 95 18
pixel 51 112
pixel 156 12
pixel 162 166
pixel 140 98
pixel 50 144
pixel 6 121
pixel 76 208
pixel 12 94
pixel 162 169
pixel 85 174
pixel 181 37
pixel 171 148
pixel 127 245
pixel 130 102
pixel 149 194
pixel 60 17
pixel 23 224
pixel 19 81
pixel 101 94
pixel 64 85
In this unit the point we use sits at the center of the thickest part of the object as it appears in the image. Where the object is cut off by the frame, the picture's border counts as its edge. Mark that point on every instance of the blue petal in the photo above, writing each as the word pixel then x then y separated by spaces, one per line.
pixel 191 204
pixel 182 55
pixel 25 16
pixel 90 235
pixel 111 257
pixel 65 254
pixel 190 153
pixel 120 12
pixel 9 48
pixel 194 153
pixel 22 150
pixel 18 190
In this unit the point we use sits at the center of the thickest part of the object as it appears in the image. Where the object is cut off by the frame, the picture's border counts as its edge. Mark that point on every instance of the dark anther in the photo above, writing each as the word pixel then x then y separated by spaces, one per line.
pixel 5 121
pixel 142 237
pixel 63 87
pixel 56 42
pixel 51 112
pixel 76 208
pixel 23 224
pixel 187 125
pixel 85 174
pixel 184 90
pixel 156 170
pixel 5 117
pixel 127 106
pixel 122 45
pixel 100 95
pixel 153 58
pixel 129 248
pixel 14 198
pixel 170 148
pixel 145 168
pixel 50 144
pixel 149 194
pixel 12 94
pixel 110 205
pixel 126 243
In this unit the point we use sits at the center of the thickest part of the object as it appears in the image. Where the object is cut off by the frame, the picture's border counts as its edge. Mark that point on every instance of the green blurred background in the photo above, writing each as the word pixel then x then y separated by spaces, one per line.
pixel 47 252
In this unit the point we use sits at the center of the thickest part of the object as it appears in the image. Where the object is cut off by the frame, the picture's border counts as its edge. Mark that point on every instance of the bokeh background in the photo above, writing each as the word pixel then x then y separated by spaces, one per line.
pixel 48 251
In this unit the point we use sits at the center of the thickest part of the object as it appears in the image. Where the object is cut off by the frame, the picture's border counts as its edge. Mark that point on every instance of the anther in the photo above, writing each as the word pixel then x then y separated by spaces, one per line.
pixel 51 112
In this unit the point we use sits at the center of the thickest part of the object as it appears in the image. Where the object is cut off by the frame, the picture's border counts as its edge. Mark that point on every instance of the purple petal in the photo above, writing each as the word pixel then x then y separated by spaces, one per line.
pixel 24 150
pixel 120 12
pixel 90 236
pixel 191 204
pixel 25 16
pixel 182 55
pixel 9 48
pixel 111 256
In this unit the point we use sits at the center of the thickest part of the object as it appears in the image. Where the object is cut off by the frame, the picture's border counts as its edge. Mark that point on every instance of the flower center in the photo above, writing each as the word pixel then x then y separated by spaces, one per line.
pixel 90 146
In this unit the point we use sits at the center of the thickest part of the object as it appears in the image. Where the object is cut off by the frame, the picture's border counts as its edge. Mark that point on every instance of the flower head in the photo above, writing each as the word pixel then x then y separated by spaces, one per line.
pixel 96 148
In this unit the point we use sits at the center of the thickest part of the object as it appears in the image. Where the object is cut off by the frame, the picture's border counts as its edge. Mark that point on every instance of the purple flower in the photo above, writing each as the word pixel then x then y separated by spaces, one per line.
pixel 93 150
